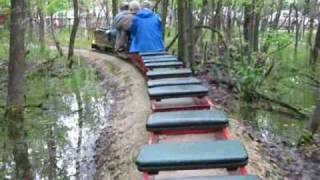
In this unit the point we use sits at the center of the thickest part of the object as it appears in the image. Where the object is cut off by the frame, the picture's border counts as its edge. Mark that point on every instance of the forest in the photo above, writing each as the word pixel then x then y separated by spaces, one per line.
pixel 64 105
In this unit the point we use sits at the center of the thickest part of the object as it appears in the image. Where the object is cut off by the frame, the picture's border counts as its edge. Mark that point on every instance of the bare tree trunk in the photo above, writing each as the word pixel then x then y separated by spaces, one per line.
pixel 73 32
pixel 277 18
pixel 297 28
pixel 202 16
pixel 114 8
pixel 41 28
pixel 53 34
pixel 189 39
pixel 256 30
pixel 218 15
pixel 290 20
pixel 30 22
pixel 52 150
pixel 229 25
pixel 247 26
pixel 212 21
pixel 164 13
pixel 315 119
pixel 316 49
pixel 181 25
pixel 16 83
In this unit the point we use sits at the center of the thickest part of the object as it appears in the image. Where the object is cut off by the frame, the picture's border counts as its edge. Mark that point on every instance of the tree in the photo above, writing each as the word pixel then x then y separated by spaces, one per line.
pixel 114 8
pixel 185 29
pixel 16 83
pixel 316 49
pixel 73 31
pixel 164 13
pixel 315 119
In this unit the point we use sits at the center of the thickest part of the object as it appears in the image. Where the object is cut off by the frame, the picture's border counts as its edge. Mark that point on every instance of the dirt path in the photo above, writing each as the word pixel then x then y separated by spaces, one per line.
pixel 126 134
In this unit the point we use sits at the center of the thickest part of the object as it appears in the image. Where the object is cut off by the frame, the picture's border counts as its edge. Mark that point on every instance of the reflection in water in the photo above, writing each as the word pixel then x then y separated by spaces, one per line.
pixel 84 126
pixel 62 135
pixel 272 126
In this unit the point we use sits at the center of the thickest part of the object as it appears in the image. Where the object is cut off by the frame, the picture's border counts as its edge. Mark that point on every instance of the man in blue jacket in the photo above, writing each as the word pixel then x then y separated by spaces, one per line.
pixel 146 31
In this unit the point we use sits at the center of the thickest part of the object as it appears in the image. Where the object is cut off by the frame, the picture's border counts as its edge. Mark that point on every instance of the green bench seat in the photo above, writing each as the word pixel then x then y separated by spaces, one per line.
pixel 191 155
pixel 178 91
pixel 187 120
pixel 153 53
pixel 249 177
pixel 173 82
pixel 170 59
pixel 172 64
pixel 159 57
pixel 169 73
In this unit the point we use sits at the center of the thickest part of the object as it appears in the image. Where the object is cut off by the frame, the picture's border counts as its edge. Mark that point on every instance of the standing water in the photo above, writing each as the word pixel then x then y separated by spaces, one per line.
pixel 64 119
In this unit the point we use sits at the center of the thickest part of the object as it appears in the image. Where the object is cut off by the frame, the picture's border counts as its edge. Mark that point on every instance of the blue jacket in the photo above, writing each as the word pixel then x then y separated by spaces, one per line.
pixel 146 32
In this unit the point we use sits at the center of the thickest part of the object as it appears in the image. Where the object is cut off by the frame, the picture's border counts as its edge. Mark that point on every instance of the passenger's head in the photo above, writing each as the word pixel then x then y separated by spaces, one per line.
pixel 146 4
pixel 134 6
pixel 124 6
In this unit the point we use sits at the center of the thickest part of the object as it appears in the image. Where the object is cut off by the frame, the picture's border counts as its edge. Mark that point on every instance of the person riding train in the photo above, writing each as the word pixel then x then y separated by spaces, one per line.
pixel 146 31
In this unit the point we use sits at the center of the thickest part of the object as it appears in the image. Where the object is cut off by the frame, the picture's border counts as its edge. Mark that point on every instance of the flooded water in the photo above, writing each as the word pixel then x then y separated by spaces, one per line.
pixel 273 125
pixel 62 135
pixel 280 135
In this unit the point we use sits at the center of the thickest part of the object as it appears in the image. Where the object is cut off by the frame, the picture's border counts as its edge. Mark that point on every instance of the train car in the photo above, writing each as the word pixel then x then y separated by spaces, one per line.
pixel 103 40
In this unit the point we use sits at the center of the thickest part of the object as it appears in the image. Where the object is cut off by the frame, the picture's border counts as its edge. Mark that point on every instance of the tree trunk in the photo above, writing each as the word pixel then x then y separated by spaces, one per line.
pixel 310 35
pixel 73 32
pixel 247 26
pixel 114 8
pixel 181 25
pixel 185 29
pixel 218 15
pixel 256 30
pixel 30 23
pixel 52 150
pixel 277 18
pixel 315 119
pixel 297 28
pixel 53 34
pixel 16 83
pixel 189 39
pixel 316 49
pixel 164 13
pixel 290 20
pixel 41 29
pixel 202 16
pixel 212 21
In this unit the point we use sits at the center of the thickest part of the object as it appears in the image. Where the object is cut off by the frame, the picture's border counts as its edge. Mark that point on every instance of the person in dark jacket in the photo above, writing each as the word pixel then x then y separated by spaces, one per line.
pixel 146 31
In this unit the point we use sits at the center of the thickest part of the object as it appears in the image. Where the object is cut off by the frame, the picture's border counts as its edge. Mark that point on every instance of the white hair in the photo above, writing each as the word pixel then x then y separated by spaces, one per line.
pixel 134 6
pixel 146 4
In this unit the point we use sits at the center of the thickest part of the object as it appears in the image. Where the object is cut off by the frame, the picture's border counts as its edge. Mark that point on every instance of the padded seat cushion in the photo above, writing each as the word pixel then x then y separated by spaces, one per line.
pixel 192 155
pixel 152 53
pixel 185 120
pixel 168 59
pixel 158 57
pixel 169 73
pixel 178 91
pixel 173 81
pixel 249 177
pixel 164 64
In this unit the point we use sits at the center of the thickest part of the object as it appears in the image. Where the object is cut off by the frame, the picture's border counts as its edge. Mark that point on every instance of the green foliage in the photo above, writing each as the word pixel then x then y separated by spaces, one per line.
pixel 4 45
pixel 305 138
pixel 57 5
pixel 4 6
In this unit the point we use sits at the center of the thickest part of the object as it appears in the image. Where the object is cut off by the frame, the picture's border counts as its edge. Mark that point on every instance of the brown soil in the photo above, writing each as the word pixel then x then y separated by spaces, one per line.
pixel 126 134
pixel 122 140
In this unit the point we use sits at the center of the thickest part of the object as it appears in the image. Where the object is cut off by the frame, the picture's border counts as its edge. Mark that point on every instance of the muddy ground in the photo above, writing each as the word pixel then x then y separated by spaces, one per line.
pixel 119 145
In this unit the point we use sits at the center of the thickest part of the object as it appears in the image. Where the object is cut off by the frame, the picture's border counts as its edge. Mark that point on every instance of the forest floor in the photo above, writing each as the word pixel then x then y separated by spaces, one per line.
pixel 117 149
pixel 282 160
